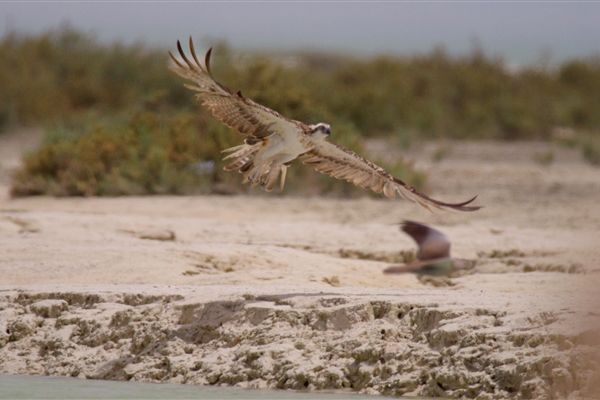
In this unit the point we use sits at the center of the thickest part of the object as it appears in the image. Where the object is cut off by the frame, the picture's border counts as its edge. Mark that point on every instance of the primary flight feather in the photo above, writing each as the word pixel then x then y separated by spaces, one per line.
pixel 273 141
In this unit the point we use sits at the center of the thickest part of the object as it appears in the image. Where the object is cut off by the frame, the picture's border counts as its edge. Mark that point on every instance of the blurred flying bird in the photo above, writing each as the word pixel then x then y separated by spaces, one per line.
pixel 434 253
pixel 273 141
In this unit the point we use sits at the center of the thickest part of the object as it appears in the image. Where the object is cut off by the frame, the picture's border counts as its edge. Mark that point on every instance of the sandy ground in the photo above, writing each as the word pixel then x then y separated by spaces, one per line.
pixel 232 285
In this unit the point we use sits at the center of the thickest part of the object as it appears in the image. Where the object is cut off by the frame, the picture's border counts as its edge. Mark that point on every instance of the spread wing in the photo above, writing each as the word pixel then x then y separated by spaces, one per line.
pixel 341 163
pixel 234 110
pixel 432 243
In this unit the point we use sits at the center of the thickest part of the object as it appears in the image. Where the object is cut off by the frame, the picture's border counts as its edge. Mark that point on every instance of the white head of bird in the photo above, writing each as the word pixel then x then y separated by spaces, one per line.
pixel 320 130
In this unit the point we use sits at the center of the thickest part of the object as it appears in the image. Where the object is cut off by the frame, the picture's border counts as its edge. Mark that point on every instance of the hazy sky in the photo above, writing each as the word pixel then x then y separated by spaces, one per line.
pixel 521 32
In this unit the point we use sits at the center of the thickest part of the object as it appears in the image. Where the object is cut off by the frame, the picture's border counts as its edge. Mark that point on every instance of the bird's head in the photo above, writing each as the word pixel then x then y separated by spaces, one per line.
pixel 320 129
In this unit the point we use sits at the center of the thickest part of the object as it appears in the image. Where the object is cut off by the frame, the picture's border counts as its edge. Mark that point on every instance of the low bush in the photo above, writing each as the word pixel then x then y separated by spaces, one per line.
pixel 119 122
pixel 154 153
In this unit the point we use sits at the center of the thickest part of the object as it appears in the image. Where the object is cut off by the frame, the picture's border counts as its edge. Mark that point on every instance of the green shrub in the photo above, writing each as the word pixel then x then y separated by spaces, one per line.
pixel 118 121
pixel 146 156
pixel 64 73
pixel 158 154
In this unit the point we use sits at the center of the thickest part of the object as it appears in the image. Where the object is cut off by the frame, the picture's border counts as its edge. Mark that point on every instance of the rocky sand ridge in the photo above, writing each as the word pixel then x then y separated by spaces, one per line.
pixel 376 341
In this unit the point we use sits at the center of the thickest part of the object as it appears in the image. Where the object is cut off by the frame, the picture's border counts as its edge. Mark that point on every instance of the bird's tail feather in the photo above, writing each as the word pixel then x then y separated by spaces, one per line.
pixel 242 157
pixel 269 179
pixel 264 173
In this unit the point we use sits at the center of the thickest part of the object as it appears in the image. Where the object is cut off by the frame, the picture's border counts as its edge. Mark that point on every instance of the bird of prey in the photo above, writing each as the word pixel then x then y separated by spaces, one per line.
pixel 433 257
pixel 273 141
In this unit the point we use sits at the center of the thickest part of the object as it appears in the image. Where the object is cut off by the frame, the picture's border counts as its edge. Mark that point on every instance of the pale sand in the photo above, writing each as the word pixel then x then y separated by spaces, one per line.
pixel 270 291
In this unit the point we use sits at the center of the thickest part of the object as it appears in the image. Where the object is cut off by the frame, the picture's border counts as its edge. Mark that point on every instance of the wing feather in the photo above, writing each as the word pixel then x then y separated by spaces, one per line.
pixel 233 109
pixel 432 243
pixel 389 190
pixel 342 163
pixel 378 187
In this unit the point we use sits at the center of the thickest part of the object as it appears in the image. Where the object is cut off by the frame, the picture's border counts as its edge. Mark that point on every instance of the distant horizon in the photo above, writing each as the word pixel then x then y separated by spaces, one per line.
pixel 545 55
pixel 520 33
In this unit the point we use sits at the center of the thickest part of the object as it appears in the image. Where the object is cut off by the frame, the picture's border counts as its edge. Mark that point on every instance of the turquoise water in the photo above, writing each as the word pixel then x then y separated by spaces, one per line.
pixel 50 387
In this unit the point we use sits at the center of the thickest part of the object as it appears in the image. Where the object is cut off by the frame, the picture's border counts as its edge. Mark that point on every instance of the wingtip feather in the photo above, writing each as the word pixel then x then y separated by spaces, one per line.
pixel 207 60
pixel 193 51
pixel 187 61
pixel 175 60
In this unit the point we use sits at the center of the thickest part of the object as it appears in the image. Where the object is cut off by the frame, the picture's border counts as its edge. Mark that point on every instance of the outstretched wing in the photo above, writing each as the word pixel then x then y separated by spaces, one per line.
pixel 233 109
pixel 432 243
pixel 339 162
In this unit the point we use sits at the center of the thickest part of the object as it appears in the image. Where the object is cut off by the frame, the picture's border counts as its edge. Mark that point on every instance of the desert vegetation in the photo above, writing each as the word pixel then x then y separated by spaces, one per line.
pixel 119 122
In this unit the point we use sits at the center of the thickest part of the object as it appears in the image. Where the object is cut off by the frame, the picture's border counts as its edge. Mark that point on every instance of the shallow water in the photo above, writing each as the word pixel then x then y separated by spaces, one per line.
pixel 50 387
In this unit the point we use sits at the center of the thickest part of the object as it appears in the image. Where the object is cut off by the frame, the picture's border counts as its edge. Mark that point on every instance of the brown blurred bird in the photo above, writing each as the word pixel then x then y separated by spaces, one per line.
pixel 273 141
pixel 434 253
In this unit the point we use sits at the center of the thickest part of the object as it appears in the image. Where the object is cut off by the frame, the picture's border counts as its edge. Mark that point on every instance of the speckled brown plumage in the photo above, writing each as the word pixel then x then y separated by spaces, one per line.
pixel 273 141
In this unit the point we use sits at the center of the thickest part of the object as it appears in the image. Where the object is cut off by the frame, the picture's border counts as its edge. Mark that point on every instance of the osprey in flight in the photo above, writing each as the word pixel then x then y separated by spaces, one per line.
pixel 273 141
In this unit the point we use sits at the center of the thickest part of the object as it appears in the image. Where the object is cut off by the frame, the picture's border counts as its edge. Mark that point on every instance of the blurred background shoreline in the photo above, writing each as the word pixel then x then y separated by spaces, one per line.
pixel 110 119
pixel 523 33
pixel 117 121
